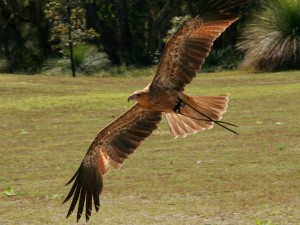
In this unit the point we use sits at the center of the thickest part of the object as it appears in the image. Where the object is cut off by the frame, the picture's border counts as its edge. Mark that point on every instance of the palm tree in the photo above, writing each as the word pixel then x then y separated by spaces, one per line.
pixel 271 39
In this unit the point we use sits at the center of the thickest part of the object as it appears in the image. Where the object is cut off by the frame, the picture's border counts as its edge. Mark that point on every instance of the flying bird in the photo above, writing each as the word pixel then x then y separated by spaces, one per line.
pixel 183 56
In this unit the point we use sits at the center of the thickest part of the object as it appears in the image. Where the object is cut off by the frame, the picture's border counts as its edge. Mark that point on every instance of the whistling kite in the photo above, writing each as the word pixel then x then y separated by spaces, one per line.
pixel 183 56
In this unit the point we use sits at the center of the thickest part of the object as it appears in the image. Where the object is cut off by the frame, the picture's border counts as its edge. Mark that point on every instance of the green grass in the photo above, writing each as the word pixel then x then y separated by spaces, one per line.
pixel 213 177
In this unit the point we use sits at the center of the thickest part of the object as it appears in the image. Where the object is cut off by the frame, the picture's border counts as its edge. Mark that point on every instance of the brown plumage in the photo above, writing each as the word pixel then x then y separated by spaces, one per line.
pixel 184 54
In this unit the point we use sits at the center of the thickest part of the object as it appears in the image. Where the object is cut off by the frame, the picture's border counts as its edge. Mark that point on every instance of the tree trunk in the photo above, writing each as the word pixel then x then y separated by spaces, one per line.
pixel 106 35
pixel 42 26
pixel 71 43
pixel 125 42
pixel 154 40
pixel 4 40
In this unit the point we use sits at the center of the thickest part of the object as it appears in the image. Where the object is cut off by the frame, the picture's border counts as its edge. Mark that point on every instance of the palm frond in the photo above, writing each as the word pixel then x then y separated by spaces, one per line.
pixel 87 60
pixel 271 40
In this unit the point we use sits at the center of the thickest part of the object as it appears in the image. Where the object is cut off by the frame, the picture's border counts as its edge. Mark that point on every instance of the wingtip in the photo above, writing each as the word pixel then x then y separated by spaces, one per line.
pixel 66 199
pixel 87 218
pixel 78 217
pixel 74 176
pixel 69 213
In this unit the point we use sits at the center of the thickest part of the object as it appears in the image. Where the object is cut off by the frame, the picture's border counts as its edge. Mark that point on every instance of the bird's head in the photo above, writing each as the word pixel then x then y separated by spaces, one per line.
pixel 136 95
pixel 140 96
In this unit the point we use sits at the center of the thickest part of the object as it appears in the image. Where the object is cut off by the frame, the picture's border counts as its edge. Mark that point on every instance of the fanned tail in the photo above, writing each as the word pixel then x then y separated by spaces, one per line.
pixel 193 114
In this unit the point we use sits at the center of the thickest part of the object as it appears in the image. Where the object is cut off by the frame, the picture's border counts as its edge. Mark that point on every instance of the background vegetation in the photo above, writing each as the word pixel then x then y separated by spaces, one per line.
pixel 271 38
pixel 132 33
pixel 129 32
pixel 213 177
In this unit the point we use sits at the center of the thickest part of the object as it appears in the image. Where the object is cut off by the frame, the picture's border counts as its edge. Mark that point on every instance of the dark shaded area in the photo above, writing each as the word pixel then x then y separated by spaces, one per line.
pixel 131 33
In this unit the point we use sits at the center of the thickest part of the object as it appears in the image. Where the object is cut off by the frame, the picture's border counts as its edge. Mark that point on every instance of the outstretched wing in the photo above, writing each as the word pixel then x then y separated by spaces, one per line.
pixel 186 50
pixel 111 146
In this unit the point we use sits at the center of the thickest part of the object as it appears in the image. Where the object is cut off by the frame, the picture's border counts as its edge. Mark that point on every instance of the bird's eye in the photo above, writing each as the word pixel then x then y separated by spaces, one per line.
pixel 138 95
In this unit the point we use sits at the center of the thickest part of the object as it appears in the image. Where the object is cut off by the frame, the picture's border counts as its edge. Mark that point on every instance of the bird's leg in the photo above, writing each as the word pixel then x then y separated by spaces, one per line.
pixel 180 104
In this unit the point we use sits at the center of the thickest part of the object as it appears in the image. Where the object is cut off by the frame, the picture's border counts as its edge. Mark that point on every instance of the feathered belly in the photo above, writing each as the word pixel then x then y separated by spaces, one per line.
pixel 163 100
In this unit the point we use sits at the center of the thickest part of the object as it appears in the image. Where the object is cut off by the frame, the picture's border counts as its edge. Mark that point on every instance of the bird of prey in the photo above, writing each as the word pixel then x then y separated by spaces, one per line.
pixel 183 56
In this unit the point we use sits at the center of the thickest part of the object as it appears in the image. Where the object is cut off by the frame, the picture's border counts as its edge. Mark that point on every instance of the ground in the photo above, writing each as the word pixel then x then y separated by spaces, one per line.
pixel 213 177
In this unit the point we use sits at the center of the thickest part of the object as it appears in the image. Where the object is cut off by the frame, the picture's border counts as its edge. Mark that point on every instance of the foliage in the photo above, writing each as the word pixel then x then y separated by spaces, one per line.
pixel 66 17
pixel 68 20
pixel 132 32
pixel 280 146
pixel 54 196
pixel 271 39
pixel 263 222
pixel 176 23
pixel 3 64
pixel 222 59
pixel 28 55
pixel 9 193
pixel 87 59
pixel 22 35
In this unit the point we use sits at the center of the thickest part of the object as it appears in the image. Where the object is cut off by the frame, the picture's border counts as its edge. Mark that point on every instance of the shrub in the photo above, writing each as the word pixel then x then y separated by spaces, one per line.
pixel 3 65
pixel 271 39
pixel 223 59
pixel 87 60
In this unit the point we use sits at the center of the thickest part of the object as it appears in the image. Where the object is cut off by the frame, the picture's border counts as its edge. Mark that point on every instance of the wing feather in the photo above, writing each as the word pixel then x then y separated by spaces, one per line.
pixel 112 145
pixel 89 203
pixel 132 137
pixel 186 50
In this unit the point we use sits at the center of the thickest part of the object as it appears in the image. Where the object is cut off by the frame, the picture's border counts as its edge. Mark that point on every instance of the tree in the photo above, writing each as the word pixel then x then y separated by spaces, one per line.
pixel 125 34
pixel 107 36
pixel 130 32
pixel 68 25
pixel 23 35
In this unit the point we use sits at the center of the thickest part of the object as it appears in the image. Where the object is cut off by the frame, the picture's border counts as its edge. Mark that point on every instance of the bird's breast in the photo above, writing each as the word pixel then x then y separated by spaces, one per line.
pixel 162 100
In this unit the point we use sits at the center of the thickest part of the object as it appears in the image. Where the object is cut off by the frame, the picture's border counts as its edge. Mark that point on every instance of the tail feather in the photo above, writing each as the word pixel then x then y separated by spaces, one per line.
pixel 181 125
pixel 174 129
pixel 195 113
pixel 212 106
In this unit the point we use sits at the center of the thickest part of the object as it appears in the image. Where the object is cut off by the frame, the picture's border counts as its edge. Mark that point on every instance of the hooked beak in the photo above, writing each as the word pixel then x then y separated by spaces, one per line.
pixel 132 97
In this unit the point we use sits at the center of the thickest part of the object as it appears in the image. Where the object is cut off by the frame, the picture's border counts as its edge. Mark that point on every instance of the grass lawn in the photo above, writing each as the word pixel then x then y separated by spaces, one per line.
pixel 213 177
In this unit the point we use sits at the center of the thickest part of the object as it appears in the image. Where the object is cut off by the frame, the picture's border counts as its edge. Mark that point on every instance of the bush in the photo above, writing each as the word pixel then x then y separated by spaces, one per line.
pixel 271 39
pixel 3 65
pixel 222 59
pixel 87 59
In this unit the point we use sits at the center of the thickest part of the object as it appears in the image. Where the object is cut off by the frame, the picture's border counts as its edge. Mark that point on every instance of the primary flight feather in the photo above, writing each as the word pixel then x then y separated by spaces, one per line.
pixel 183 56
